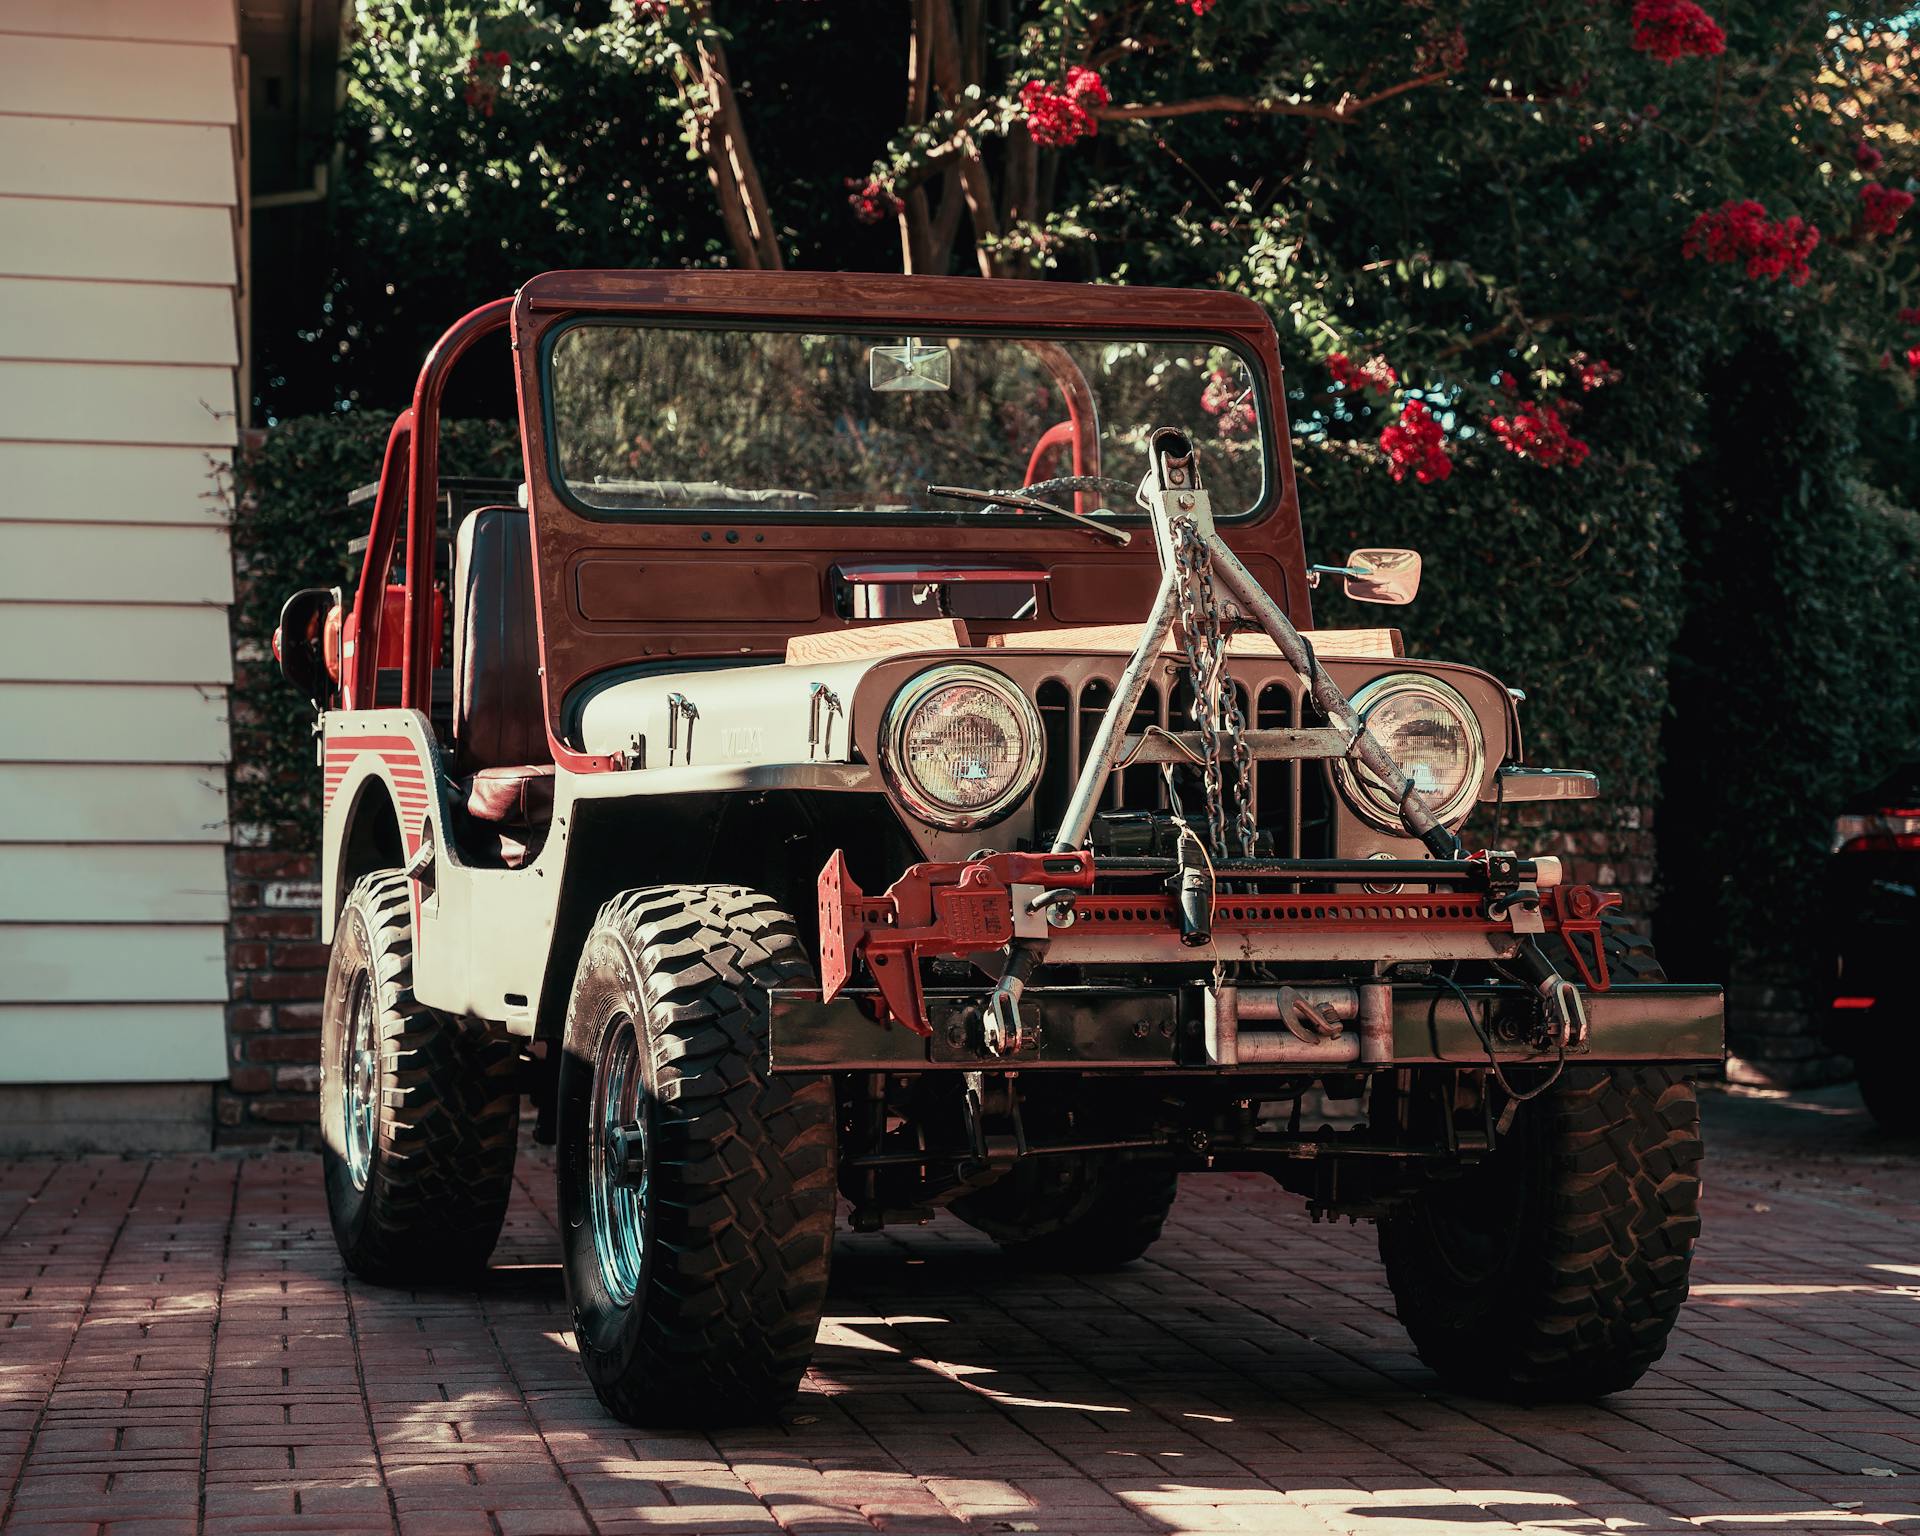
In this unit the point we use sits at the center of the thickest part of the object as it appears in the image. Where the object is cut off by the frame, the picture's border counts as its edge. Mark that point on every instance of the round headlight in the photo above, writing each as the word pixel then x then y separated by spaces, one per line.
pixel 1432 733
pixel 961 745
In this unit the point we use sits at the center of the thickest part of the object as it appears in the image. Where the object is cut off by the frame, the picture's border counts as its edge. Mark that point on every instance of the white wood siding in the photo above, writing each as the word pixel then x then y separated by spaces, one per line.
pixel 157 1042
pixel 92 77
pixel 118 402
pixel 112 723
pixel 94 322
pixel 119 347
pixel 112 883
pixel 158 21
pixel 114 483
pixel 134 242
pixel 112 803
pixel 114 962
pixel 56 642
pixel 140 564
pixel 130 162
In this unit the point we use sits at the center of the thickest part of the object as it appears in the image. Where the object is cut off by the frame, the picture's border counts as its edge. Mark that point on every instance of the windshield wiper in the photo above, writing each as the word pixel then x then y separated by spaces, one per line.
pixel 1032 504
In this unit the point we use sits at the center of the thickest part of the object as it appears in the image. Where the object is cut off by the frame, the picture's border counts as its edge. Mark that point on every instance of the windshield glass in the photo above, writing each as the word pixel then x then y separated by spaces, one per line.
pixel 657 419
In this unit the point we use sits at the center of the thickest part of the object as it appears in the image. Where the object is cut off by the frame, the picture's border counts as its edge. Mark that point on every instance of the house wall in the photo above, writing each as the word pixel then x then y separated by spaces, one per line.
pixel 120 213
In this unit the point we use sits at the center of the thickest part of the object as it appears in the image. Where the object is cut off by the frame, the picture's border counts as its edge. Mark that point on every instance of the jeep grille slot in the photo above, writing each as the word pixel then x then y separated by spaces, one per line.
pixel 1070 719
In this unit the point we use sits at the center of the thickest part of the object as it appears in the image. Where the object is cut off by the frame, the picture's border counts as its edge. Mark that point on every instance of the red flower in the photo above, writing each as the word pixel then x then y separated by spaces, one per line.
pixel 1882 206
pixel 1537 432
pixel 1908 317
pixel 1913 359
pixel 1675 29
pixel 872 200
pixel 1415 445
pixel 1373 374
pixel 1741 231
pixel 1867 157
pixel 1509 383
pixel 484 71
pixel 1232 404
pixel 1442 50
pixel 1198 7
pixel 1593 374
pixel 1058 115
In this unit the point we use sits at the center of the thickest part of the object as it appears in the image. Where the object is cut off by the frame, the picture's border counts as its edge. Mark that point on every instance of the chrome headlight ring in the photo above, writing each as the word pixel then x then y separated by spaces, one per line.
pixel 896 765
pixel 1372 802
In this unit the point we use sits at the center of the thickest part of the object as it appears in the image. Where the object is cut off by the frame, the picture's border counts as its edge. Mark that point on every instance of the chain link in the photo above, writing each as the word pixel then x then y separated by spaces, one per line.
pixel 1216 701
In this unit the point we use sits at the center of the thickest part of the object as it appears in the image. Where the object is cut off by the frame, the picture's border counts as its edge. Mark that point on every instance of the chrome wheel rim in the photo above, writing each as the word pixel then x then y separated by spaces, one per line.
pixel 359 1079
pixel 620 1162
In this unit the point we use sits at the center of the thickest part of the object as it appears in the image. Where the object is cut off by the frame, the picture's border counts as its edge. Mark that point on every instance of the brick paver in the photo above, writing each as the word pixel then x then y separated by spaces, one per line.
pixel 180 1351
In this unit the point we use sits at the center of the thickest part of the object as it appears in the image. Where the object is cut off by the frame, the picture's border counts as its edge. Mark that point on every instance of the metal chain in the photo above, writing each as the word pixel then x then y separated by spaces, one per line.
pixel 1200 638
pixel 1235 722
pixel 1216 701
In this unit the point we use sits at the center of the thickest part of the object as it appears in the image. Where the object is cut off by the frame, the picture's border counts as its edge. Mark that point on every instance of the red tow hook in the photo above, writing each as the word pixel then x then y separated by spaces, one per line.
pixel 1576 913
pixel 932 909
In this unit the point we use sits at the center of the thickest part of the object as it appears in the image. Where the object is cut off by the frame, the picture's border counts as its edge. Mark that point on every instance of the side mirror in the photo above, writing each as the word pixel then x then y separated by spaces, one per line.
pixel 300 643
pixel 1390 576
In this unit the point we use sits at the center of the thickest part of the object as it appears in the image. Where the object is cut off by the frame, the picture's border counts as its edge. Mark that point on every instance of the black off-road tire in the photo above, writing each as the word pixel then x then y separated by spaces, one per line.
pixel 736 1219
pixel 446 1117
pixel 1074 1214
pixel 1555 1271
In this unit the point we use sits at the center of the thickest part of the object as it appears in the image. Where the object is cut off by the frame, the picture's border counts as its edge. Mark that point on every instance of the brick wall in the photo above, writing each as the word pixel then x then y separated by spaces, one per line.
pixel 1773 1032
pixel 276 966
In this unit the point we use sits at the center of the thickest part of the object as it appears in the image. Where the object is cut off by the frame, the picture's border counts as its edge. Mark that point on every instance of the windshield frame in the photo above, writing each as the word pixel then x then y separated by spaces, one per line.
pixel 1272 477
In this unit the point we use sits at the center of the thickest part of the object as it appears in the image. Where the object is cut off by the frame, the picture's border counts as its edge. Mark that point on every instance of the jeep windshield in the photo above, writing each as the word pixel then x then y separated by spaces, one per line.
pixel 766 423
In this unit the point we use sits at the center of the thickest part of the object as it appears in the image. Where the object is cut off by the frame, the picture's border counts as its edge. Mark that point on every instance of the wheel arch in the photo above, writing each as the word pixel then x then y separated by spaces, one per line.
pixel 771 841
pixel 370 839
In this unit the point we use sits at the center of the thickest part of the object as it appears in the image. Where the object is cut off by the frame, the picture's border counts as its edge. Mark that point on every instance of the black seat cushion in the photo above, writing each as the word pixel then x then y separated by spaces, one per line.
pixel 521 796
pixel 499 719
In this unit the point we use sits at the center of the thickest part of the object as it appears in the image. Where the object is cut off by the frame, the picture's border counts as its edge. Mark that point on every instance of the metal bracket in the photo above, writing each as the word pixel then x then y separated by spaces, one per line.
pixel 679 707
pixel 934 909
pixel 823 708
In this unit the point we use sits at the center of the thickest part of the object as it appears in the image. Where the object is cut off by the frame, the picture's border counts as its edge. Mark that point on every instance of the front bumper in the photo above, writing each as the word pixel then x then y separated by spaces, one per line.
pixel 1104 1029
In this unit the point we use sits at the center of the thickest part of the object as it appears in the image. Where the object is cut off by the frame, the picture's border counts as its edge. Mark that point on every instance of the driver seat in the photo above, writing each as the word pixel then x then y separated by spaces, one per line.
pixel 505 788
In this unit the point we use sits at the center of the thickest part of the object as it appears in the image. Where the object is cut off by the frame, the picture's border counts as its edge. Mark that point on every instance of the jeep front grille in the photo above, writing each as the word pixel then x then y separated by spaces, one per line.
pixel 1291 800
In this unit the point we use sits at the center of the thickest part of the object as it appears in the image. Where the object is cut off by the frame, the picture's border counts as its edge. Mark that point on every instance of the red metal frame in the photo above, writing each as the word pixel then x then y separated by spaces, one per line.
pixel 576 649
pixel 932 909
pixel 363 670
pixel 423 494
pixel 576 646
pixel 966 908
pixel 410 489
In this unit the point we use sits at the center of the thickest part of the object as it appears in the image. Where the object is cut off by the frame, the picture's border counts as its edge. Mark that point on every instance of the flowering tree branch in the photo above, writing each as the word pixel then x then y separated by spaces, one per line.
pixel 1346 108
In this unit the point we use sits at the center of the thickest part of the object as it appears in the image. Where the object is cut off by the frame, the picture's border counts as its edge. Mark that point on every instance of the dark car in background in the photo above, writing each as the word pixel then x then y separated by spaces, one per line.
pixel 1873 908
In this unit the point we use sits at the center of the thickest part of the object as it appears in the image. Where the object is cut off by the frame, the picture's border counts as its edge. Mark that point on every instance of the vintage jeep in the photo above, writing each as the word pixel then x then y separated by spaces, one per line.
pixel 884 754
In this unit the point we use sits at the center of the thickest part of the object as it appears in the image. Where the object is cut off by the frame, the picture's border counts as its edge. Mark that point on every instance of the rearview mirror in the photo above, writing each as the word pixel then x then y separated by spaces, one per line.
pixel 1390 576
pixel 910 369
pixel 300 643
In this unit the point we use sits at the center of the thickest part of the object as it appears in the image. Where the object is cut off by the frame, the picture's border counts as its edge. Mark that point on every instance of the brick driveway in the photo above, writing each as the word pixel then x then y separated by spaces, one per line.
pixel 179 1351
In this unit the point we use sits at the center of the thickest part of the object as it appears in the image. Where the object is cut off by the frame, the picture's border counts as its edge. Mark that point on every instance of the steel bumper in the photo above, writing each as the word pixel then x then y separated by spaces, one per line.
pixel 1107 1029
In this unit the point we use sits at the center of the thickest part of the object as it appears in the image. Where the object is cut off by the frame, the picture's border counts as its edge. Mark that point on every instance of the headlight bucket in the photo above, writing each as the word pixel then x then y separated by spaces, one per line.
pixel 961 746
pixel 1431 731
